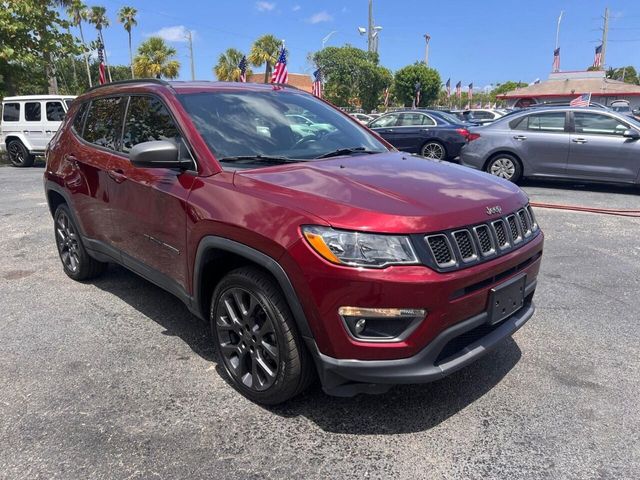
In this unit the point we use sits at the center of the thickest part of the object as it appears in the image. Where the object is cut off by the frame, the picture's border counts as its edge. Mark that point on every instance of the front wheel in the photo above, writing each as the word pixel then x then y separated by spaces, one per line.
pixel 256 338
pixel 505 166
pixel 434 150
pixel 19 155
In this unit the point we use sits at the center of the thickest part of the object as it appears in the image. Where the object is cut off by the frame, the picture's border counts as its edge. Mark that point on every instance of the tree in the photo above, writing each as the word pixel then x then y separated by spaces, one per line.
pixel 353 76
pixel 127 17
pixel 411 77
pixel 626 74
pixel 227 68
pixel 507 86
pixel 155 59
pixel 265 51
pixel 77 12
pixel 98 17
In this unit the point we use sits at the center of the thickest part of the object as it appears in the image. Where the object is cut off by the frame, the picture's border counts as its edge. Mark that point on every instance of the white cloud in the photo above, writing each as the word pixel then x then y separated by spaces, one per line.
pixel 177 33
pixel 320 17
pixel 296 8
pixel 265 6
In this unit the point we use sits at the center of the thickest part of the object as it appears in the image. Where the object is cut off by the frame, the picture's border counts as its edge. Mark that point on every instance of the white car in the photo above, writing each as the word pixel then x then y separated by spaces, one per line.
pixel 28 124
pixel 486 115
pixel 363 118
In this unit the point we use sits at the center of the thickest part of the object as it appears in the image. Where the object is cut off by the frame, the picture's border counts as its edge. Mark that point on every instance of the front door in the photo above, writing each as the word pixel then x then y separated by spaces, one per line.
pixel 385 127
pixel 34 126
pixel 412 129
pixel 149 204
pixel 599 151
pixel 53 116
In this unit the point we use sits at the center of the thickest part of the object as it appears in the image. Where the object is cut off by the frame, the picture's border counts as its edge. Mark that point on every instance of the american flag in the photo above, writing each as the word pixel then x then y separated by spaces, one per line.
pixel 582 101
pixel 597 58
pixel 556 60
pixel 448 86
pixel 243 69
pixel 102 78
pixel 459 89
pixel 470 91
pixel 418 92
pixel 317 84
pixel 280 74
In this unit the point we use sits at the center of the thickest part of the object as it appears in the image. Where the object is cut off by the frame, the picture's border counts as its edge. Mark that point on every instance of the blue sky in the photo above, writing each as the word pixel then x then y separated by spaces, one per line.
pixel 485 42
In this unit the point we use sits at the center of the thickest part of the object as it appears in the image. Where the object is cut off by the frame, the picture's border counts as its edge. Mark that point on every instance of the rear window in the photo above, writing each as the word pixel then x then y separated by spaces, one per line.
pixel 541 122
pixel 55 111
pixel 103 126
pixel 11 112
pixel 32 111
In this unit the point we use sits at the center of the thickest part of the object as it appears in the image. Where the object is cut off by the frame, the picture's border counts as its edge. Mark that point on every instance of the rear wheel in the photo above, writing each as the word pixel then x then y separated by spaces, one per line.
pixel 19 155
pixel 256 339
pixel 505 166
pixel 76 262
pixel 433 150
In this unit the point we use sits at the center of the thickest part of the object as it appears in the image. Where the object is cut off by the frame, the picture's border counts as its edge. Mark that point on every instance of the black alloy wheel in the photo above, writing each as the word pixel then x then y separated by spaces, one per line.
pixel 19 155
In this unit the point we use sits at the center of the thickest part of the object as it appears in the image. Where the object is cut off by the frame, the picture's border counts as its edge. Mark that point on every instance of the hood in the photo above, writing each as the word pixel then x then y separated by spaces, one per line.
pixel 389 192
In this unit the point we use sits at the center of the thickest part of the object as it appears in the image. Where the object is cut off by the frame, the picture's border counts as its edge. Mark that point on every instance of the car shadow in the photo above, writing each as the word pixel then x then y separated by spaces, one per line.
pixel 404 409
pixel 578 186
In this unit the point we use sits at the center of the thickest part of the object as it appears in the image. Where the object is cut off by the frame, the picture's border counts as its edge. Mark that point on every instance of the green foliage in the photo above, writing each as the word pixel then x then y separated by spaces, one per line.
pixel 405 84
pixel 627 74
pixel 155 59
pixel 507 87
pixel 264 51
pixel 353 76
pixel 227 69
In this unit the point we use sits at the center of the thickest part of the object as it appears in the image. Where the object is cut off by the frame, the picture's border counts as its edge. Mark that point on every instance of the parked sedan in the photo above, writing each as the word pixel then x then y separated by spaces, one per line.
pixel 429 133
pixel 363 118
pixel 585 143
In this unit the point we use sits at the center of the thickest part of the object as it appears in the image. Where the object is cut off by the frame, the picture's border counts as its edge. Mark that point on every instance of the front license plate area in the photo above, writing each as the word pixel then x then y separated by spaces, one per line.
pixel 506 299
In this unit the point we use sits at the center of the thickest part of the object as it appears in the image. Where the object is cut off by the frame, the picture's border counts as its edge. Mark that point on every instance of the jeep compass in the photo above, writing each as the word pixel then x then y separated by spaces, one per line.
pixel 318 253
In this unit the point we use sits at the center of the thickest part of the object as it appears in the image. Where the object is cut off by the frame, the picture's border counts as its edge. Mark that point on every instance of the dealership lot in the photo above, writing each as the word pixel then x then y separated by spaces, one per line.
pixel 114 378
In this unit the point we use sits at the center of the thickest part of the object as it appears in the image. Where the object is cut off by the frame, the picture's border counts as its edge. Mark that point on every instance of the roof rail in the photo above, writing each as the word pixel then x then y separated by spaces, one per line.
pixel 134 81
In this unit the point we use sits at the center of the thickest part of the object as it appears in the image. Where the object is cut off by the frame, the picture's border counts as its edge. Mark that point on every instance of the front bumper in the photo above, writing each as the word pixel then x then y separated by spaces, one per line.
pixel 453 349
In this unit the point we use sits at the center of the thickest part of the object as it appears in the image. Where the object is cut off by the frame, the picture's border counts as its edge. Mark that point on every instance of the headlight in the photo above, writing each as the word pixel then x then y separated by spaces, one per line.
pixel 359 249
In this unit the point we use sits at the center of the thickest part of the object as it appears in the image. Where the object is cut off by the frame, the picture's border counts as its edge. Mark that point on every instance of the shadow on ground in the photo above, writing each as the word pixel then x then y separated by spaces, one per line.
pixel 584 187
pixel 404 409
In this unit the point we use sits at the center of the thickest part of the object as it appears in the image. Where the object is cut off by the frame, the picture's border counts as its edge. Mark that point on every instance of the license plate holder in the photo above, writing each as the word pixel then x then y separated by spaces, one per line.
pixel 506 299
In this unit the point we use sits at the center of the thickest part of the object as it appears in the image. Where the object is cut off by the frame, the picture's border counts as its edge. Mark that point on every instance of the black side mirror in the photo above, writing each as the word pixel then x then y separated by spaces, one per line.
pixel 157 154
pixel 632 134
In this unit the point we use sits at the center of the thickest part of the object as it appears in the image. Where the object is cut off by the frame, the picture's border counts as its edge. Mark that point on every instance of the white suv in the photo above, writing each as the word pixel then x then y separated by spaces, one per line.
pixel 28 124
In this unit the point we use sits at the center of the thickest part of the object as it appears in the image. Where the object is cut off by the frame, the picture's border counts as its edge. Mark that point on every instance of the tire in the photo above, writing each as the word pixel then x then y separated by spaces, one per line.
pixel 505 166
pixel 434 150
pixel 19 155
pixel 256 339
pixel 76 262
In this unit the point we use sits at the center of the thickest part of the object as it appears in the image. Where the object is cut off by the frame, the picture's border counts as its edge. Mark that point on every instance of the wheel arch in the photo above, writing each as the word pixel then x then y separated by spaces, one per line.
pixel 19 137
pixel 503 152
pixel 216 256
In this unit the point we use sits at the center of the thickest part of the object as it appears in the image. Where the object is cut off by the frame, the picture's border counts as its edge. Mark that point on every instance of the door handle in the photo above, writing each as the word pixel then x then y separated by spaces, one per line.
pixel 519 137
pixel 579 140
pixel 117 175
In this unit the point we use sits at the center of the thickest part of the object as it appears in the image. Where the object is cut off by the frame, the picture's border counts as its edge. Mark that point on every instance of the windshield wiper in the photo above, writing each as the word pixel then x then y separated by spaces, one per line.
pixel 259 158
pixel 347 151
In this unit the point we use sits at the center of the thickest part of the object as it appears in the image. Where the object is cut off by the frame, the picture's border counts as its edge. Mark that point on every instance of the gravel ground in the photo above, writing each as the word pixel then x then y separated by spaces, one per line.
pixel 115 379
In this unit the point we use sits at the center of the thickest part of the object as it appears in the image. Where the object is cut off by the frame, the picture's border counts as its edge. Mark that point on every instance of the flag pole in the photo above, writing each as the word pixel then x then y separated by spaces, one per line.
pixel 558 28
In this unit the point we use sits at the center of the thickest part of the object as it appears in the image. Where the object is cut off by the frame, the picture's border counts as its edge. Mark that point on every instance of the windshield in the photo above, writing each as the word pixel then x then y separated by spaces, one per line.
pixel 448 117
pixel 273 124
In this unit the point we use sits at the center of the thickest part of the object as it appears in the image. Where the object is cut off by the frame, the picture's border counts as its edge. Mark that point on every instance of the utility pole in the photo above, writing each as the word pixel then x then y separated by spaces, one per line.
pixel 370 45
pixel 427 38
pixel 605 33
pixel 193 68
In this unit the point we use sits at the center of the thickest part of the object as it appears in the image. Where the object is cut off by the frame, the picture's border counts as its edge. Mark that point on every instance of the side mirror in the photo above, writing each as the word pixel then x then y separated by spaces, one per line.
pixel 157 154
pixel 632 134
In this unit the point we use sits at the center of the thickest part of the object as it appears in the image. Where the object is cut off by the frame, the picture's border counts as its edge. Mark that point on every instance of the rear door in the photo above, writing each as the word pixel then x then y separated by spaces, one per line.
pixel 542 141
pixel 54 113
pixel 599 151
pixel 149 205
pixel 33 127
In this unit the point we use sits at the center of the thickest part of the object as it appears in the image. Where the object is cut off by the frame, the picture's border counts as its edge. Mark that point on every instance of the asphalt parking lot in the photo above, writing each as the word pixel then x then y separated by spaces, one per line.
pixel 115 379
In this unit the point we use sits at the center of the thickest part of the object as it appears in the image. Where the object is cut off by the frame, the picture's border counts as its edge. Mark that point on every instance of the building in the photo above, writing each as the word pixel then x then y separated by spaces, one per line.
pixel 298 80
pixel 565 86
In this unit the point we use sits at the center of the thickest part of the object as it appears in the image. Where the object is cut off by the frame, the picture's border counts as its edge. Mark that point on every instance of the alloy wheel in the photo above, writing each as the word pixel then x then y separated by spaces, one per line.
pixel 247 339
pixel 68 244
pixel 16 154
pixel 433 150
pixel 503 168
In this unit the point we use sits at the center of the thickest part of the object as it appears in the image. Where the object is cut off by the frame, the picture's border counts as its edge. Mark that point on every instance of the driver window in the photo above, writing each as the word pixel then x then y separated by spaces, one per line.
pixel 385 121
pixel 147 120
pixel 597 124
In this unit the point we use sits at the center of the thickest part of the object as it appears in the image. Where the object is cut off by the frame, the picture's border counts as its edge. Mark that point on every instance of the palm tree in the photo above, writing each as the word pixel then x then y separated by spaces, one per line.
pixel 77 12
pixel 98 17
pixel 265 51
pixel 154 59
pixel 227 68
pixel 127 17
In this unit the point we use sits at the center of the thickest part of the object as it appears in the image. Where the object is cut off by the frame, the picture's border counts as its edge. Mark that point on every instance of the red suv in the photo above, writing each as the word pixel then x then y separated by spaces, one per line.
pixel 312 248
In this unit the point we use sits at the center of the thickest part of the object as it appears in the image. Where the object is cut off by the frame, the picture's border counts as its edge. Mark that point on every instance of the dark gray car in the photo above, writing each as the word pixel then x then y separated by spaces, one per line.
pixel 558 142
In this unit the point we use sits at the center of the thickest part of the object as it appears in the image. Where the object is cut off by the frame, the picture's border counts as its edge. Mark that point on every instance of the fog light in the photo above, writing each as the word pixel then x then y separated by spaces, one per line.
pixel 381 324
